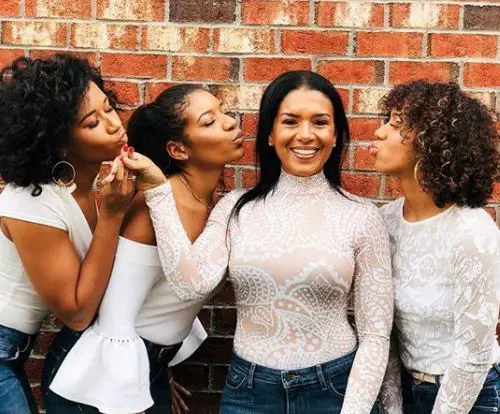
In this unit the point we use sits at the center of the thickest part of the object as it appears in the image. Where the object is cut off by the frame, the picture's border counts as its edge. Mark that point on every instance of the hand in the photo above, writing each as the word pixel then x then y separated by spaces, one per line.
pixel 115 194
pixel 148 174
pixel 178 393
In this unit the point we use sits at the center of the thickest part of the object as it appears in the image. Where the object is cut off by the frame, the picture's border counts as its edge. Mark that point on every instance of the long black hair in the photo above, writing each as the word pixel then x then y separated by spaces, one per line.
pixel 39 101
pixel 267 159
pixel 153 125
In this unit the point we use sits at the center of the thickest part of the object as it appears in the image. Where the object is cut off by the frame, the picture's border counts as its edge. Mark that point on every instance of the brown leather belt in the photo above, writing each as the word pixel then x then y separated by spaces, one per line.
pixel 423 377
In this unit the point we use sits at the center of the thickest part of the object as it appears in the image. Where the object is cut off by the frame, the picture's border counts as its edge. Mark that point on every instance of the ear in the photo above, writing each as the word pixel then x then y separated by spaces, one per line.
pixel 270 140
pixel 177 150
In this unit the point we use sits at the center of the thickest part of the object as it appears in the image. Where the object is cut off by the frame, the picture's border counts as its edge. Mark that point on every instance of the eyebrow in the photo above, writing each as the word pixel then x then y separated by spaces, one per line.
pixel 297 116
pixel 91 112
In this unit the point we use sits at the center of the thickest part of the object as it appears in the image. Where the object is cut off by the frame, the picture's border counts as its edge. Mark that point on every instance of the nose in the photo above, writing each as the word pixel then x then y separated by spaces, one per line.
pixel 380 132
pixel 113 122
pixel 304 133
pixel 229 123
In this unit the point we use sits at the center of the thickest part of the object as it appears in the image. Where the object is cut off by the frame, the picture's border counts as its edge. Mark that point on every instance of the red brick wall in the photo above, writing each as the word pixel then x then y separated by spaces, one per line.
pixel 237 47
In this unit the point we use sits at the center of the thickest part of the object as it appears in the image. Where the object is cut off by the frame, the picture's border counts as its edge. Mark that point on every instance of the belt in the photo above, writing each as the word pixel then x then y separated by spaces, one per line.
pixel 162 354
pixel 423 377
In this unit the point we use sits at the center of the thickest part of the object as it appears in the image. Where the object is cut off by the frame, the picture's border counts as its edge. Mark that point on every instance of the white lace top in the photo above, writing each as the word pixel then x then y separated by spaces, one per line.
pixel 293 259
pixel 447 293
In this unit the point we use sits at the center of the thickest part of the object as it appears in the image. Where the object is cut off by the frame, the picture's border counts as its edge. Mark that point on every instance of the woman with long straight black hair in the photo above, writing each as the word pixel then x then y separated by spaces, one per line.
pixel 296 246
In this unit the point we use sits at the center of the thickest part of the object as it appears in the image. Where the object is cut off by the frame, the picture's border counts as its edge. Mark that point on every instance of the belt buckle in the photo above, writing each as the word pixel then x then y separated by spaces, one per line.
pixel 420 376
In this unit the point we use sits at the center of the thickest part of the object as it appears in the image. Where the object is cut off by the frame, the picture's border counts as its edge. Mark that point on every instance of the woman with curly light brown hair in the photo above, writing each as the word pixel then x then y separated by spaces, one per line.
pixel 443 146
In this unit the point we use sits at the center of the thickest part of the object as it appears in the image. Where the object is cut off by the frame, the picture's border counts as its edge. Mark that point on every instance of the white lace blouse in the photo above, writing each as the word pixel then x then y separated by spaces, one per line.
pixel 446 273
pixel 293 259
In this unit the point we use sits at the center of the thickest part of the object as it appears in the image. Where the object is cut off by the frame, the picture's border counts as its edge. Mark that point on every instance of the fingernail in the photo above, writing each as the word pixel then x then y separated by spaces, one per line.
pixel 125 147
pixel 130 149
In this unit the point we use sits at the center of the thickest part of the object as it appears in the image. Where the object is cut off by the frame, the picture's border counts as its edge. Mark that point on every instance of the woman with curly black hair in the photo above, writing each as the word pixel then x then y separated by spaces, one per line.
pixel 443 146
pixel 57 125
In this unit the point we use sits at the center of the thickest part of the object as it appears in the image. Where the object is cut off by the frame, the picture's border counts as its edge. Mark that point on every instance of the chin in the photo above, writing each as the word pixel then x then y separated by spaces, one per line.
pixel 303 170
pixel 237 155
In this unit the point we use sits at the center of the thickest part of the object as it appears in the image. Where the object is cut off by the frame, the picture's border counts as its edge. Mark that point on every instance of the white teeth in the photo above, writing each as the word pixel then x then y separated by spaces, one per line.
pixel 304 153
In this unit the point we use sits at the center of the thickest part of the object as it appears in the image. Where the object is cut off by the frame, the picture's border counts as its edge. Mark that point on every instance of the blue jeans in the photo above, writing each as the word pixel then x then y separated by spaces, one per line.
pixel 55 404
pixel 419 397
pixel 15 391
pixel 254 389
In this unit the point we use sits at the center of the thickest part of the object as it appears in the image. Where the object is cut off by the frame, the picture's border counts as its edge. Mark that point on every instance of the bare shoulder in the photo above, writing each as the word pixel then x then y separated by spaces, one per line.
pixel 137 225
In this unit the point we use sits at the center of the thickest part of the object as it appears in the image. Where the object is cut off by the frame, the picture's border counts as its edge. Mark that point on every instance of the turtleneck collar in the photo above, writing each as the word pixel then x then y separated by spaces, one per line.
pixel 292 184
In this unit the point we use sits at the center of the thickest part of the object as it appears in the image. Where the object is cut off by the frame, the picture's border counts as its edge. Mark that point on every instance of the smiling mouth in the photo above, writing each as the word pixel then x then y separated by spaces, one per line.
pixel 304 153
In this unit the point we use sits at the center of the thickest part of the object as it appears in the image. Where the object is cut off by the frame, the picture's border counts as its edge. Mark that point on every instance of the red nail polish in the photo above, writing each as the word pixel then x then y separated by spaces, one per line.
pixel 130 149
pixel 125 147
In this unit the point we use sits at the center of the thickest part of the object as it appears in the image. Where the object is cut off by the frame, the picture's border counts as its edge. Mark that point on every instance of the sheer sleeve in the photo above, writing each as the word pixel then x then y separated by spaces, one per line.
pixel 192 270
pixel 391 396
pixel 476 306
pixel 373 311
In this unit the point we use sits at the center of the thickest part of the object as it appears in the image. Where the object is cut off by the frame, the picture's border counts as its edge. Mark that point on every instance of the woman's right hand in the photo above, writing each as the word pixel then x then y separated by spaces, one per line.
pixel 115 194
pixel 149 174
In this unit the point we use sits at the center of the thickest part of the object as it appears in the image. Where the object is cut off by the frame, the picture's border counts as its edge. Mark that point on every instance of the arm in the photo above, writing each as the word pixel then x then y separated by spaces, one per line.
pixel 391 397
pixel 70 287
pixel 193 271
pixel 373 310
pixel 475 318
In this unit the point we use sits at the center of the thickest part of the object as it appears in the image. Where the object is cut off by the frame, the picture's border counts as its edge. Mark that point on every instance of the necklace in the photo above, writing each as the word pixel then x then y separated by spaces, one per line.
pixel 207 205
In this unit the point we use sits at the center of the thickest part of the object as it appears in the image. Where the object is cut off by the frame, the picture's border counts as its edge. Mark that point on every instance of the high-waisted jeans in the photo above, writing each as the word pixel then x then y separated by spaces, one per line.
pixel 254 389
pixel 15 391
pixel 419 396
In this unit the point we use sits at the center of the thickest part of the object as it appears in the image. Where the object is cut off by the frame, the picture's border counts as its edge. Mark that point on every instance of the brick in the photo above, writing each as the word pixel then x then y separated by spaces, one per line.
pixel 80 9
pixel 486 98
pixel 229 178
pixel 249 125
pixel 366 100
pixel 495 195
pixel 103 36
pixel 214 350
pixel 363 160
pixel 175 39
pixel 267 69
pixel 10 8
pixel 245 96
pixel 392 187
pixel 34 33
pixel 425 15
pixel 43 342
pixel 491 211
pixel 205 68
pixel 389 44
pixel 401 72
pixel 187 11
pixel 139 10
pixel 482 75
pixel 462 45
pixel 344 96
pixel 363 128
pixel 8 55
pixel 482 17
pixel 133 65
pixel 34 368
pixel 219 373
pixel 153 89
pixel 249 177
pixel 224 321
pixel 314 41
pixel 249 155
pixel 238 40
pixel 127 92
pixel 349 14
pixel 275 12
pixel 361 185
pixel 194 377
pixel 47 53
pixel 352 71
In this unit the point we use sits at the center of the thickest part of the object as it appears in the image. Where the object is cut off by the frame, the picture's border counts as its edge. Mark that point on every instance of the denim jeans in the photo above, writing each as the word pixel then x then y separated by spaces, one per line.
pixel 254 389
pixel 55 404
pixel 419 397
pixel 15 391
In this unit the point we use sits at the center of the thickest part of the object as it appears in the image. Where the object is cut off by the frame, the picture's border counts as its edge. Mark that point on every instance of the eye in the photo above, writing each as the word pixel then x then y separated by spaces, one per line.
pixel 321 122
pixel 93 124
pixel 289 121
pixel 110 109
pixel 209 123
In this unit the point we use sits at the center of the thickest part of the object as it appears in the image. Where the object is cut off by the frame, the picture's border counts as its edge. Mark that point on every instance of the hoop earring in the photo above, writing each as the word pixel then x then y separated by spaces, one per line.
pixel 63 179
pixel 416 171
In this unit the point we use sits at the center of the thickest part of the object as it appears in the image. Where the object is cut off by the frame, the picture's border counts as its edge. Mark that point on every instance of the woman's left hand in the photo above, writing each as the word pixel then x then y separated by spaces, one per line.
pixel 177 393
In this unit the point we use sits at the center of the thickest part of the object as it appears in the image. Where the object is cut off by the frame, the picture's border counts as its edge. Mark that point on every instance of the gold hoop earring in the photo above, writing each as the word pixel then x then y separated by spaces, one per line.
pixel 63 174
pixel 416 171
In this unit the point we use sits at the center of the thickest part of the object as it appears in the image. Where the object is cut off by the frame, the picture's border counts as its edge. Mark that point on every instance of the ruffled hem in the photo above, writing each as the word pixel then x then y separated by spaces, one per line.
pixel 109 373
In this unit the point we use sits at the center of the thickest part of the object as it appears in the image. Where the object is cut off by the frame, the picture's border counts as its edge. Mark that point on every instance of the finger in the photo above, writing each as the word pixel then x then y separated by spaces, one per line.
pixel 183 404
pixel 181 389
pixel 120 171
pixel 175 405
pixel 131 153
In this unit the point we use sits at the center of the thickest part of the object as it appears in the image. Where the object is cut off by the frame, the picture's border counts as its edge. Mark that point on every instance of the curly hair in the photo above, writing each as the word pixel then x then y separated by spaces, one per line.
pixel 39 100
pixel 455 140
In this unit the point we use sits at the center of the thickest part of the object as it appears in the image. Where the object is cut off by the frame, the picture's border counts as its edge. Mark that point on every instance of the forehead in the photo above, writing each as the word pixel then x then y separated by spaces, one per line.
pixel 93 97
pixel 306 101
pixel 199 102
